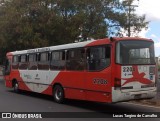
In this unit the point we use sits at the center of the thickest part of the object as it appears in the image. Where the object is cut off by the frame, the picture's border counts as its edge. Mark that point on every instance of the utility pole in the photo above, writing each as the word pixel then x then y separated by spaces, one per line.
pixel 130 6
pixel 129 19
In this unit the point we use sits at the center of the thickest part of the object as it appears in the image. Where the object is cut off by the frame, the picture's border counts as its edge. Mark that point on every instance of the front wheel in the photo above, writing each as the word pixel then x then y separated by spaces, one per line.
pixel 58 94
pixel 16 87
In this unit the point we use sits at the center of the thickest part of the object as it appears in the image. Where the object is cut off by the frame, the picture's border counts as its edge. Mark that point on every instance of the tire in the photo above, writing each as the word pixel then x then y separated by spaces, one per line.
pixel 58 94
pixel 16 87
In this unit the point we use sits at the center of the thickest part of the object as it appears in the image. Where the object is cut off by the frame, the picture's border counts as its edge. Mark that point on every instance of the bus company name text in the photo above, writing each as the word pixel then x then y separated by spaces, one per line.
pixel 38 50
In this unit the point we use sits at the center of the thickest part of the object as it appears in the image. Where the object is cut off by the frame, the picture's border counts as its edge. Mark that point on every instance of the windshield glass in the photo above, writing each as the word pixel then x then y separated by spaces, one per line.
pixel 135 52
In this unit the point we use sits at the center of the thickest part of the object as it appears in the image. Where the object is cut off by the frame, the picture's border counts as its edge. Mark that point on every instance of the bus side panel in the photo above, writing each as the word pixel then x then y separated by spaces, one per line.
pixel 73 84
pixel 36 80
pixel 8 82
pixel 15 75
pixel 92 86
pixel 48 91
pixel 98 85
pixel 74 94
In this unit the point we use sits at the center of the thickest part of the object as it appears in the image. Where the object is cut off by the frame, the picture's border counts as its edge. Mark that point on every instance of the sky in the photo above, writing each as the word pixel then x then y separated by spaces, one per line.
pixel 151 8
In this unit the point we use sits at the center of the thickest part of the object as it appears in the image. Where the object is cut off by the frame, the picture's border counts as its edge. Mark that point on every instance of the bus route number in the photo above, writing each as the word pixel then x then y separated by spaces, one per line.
pixel 128 69
pixel 100 81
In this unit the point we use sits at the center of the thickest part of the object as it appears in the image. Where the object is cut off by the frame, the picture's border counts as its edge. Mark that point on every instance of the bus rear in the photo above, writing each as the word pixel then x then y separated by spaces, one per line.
pixel 135 77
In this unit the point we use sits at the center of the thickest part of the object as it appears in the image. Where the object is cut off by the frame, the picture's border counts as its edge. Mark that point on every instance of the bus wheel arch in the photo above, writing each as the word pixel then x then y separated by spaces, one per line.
pixel 58 93
pixel 15 85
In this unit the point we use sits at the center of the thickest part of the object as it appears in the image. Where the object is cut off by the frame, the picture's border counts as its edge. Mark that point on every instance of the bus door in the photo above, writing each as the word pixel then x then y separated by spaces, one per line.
pixel 75 73
pixel 98 76
pixel 41 77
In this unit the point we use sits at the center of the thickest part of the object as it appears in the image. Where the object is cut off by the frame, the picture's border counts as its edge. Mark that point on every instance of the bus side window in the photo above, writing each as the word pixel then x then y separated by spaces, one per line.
pixel 15 61
pixel 43 61
pixel 98 58
pixel 76 59
pixel 32 61
pixel 23 64
pixel 58 60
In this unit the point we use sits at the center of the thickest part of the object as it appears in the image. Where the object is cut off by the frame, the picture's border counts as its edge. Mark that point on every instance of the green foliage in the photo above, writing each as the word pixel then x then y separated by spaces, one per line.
pixel 134 23
pixel 28 24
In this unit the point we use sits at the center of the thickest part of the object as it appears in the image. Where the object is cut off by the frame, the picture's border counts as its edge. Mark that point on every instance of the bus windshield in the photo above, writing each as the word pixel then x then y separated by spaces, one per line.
pixel 135 52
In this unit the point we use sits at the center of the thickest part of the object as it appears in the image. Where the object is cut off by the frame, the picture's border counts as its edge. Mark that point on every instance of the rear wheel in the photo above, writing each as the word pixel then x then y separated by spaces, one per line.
pixel 16 87
pixel 58 94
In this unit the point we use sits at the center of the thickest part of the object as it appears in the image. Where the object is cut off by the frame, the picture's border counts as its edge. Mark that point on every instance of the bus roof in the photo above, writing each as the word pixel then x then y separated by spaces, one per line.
pixel 76 45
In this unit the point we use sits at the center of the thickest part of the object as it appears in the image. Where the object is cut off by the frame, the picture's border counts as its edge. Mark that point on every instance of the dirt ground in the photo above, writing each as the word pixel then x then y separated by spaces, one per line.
pixel 152 102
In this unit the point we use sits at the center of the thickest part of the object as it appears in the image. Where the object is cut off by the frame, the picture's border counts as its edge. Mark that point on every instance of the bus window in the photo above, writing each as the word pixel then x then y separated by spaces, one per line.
pixel 15 62
pixel 32 58
pixel 23 62
pixel 58 60
pixel 76 59
pixel 43 61
pixel 135 52
pixel 98 58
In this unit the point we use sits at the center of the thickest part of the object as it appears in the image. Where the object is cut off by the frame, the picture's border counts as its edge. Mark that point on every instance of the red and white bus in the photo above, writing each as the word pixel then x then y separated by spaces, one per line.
pixel 105 70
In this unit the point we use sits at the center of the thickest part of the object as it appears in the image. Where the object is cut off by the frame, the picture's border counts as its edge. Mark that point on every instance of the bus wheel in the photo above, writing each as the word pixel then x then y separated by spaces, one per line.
pixel 58 94
pixel 16 87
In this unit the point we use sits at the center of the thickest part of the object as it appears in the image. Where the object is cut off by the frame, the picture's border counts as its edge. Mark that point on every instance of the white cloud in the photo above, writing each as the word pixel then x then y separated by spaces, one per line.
pixel 153 36
pixel 149 7
pixel 157 45
pixel 157 48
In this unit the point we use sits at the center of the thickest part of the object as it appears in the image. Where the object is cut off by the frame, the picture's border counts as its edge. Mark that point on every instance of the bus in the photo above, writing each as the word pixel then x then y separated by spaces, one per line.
pixel 105 70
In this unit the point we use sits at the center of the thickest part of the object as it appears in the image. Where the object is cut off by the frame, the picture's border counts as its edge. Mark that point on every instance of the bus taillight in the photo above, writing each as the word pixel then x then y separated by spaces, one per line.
pixel 117 83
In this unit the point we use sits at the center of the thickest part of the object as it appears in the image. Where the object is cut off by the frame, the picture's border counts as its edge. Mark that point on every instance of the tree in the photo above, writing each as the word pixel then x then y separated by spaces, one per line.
pixel 21 25
pixel 131 24
pixel 80 18
pixel 28 24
